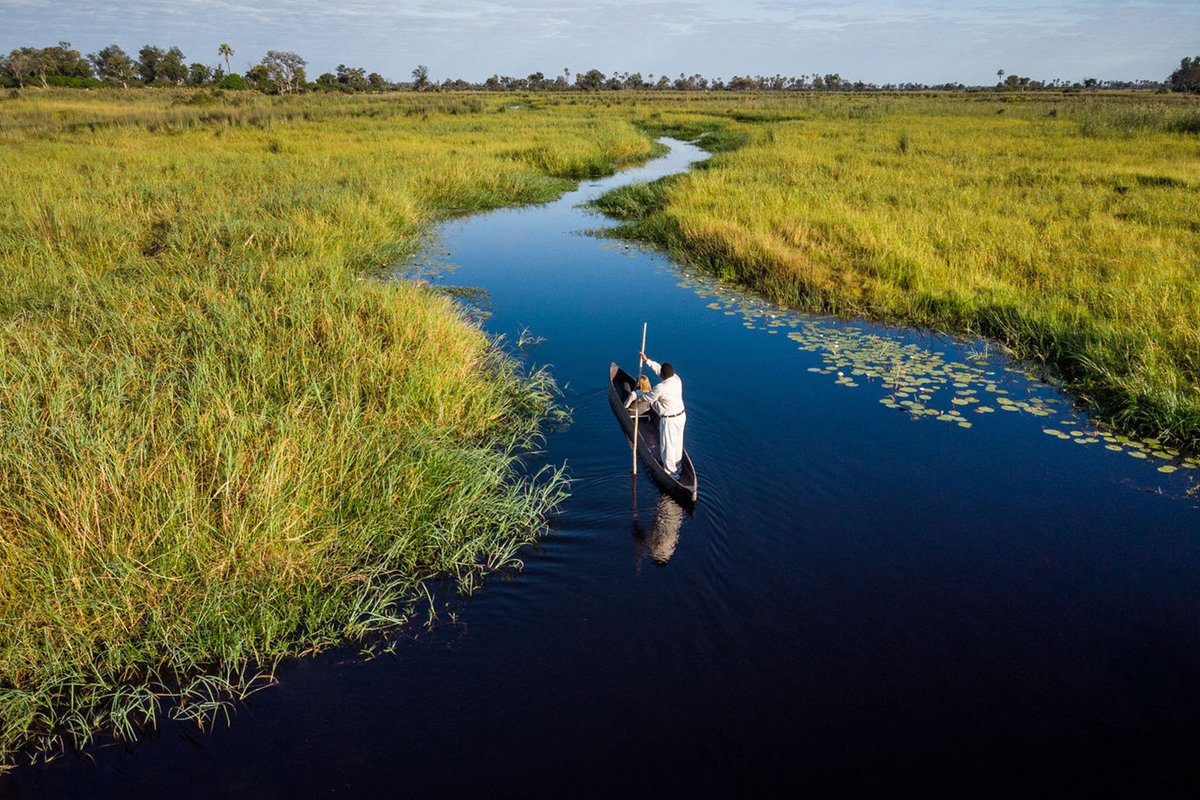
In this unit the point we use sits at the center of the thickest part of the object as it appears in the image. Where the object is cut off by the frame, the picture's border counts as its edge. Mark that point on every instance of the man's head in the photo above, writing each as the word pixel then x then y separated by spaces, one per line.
pixel 667 370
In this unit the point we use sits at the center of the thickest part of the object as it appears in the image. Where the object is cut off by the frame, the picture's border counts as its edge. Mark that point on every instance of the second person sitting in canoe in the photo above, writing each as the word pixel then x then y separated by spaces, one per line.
pixel 640 407
pixel 667 401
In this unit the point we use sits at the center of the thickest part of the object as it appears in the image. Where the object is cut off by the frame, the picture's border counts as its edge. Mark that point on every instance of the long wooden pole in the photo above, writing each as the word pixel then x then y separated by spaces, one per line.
pixel 636 413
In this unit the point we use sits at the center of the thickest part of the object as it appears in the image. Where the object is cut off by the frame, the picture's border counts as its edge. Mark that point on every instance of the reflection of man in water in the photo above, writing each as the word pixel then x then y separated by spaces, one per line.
pixel 660 540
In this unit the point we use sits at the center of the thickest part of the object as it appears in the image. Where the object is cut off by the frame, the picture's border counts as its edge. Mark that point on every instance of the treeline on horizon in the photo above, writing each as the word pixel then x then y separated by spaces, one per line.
pixel 283 72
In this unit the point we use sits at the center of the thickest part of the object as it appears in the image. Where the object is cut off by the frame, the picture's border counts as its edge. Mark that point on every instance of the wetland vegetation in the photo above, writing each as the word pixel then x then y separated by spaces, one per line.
pixel 222 446
pixel 1064 227
pixel 219 444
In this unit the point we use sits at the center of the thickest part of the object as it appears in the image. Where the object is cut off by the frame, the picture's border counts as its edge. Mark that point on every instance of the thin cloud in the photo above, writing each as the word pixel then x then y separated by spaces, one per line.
pixel 930 41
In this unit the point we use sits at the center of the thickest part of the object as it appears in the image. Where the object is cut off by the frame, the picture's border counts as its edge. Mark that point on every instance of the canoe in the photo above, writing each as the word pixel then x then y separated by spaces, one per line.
pixel 684 487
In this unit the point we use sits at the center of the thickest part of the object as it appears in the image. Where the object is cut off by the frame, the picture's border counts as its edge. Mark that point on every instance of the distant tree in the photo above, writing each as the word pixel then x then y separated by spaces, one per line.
pixel 113 65
pixel 999 77
pixel 66 61
pixel 20 63
pixel 38 63
pixel 199 74
pixel 591 80
pixel 1187 77
pixel 259 77
pixel 147 63
pixel 420 77
pixel 352 79
pixel 285 70
pixel 225 51
pixel 536 81
pixel 171 68
pixel 1090 83
pixel 234 82
pixel 377 81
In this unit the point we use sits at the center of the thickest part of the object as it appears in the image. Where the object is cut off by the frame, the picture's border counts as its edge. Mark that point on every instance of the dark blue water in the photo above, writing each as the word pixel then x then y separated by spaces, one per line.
pixel 894 579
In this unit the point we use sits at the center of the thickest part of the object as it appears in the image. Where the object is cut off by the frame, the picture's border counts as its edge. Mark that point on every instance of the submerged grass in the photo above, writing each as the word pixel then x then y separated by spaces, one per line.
pixel 219 445
pixel 1064 227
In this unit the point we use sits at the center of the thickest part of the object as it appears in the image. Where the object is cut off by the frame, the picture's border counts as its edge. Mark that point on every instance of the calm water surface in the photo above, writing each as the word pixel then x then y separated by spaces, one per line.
pixel 874 592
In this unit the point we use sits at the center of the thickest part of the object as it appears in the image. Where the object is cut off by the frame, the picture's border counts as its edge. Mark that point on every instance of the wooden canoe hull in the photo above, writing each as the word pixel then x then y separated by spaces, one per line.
pixel 686 486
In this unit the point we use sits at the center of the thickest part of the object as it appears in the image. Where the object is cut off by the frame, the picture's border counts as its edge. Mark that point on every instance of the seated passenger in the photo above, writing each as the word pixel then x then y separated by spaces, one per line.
pixel 641 407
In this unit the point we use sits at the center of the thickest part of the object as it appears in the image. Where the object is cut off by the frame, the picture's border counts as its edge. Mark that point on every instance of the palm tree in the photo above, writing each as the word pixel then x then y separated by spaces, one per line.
pixel 225 51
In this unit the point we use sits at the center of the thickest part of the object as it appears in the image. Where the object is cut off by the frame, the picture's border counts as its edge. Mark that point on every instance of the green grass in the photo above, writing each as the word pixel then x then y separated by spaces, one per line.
pixel 220 445
pixel 1064 227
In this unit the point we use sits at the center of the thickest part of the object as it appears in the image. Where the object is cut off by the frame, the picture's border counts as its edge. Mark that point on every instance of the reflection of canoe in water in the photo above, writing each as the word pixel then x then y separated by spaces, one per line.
pixel 684 488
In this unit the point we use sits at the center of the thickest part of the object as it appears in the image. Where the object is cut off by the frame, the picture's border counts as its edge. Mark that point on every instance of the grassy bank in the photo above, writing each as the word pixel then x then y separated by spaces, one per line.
pixel 1064 227
pixel 219 445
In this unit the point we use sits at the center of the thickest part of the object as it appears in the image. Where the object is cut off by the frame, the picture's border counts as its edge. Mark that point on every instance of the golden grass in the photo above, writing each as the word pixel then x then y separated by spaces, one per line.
pixel 219 444
pixel 1064 227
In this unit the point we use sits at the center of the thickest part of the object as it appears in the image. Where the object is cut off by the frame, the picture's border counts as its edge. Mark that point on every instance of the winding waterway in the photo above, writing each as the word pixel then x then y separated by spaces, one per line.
pixel 911 566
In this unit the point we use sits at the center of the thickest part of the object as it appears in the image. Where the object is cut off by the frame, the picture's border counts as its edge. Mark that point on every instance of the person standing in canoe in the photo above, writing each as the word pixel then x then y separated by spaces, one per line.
pixel 667 401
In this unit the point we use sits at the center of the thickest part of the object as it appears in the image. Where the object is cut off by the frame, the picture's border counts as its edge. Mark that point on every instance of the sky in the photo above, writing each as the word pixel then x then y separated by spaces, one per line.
pixel 925 41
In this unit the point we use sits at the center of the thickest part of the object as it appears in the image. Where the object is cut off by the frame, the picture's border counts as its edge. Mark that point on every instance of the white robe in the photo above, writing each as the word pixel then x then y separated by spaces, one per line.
pixel 667 400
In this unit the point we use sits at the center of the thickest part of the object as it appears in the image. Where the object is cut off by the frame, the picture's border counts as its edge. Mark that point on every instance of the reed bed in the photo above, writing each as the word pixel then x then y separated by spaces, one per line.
pixel 220 445
pixel 1064 227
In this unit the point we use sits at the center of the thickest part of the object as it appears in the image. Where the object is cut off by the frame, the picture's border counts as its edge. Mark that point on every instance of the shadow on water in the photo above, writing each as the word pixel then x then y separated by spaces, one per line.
pixel 912 565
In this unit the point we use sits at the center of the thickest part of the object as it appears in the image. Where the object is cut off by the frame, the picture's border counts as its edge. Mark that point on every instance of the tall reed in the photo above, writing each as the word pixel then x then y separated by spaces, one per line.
pixel 219 444
pixel 1077 251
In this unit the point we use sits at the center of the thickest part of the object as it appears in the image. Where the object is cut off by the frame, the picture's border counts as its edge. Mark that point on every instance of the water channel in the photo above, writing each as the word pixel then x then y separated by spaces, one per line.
pixel 912 565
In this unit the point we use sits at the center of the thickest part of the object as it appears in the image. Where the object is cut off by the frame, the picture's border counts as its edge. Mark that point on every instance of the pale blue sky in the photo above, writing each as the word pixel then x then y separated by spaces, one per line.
pixel 930 41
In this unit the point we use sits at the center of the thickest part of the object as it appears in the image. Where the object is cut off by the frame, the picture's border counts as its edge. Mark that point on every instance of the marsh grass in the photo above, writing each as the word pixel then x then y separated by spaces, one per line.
pixel 219 445
pixel 1065 228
